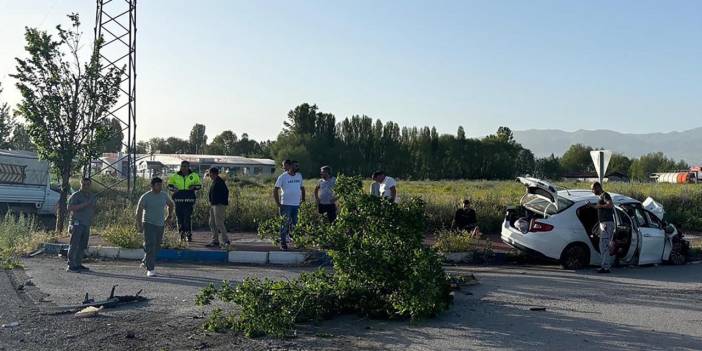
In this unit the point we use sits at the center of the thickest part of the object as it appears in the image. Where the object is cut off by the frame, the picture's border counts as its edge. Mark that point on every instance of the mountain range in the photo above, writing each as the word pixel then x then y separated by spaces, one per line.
pixel 682 145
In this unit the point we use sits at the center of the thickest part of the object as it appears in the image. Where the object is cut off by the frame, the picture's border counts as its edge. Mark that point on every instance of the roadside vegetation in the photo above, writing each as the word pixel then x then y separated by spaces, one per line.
pixel 381 269
pixel 252 206
pixel 19 235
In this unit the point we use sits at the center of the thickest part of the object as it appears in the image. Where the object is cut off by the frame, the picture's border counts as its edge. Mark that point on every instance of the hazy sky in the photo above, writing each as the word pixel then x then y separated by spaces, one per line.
pixel 631 66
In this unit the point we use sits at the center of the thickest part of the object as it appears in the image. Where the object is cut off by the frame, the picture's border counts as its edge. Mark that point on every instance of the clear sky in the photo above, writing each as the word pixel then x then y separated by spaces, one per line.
pixel 630 66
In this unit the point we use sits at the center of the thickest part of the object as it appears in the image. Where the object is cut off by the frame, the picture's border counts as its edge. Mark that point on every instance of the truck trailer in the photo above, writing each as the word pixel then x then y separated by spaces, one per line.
pixel 25 184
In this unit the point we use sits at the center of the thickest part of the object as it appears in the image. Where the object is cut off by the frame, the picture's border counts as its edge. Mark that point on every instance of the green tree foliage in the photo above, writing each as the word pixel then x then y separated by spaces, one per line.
pixel 227 143
pixel 7 124
pixel 548 168
pixel 20 139
pixel 577 159
pixel 64 101
pixel 115 136
pixel 359 145
pixel 642 168
pixel 619 163
pixel 381 270
pixel 198 139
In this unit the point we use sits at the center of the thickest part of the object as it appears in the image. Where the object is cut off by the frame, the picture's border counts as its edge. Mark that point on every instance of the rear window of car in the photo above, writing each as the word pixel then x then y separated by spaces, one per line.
pixel 540 205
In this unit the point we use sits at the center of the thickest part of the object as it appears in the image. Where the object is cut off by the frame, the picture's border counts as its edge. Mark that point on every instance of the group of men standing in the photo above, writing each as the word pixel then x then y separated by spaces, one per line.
pixel 289 194
pixel 155 210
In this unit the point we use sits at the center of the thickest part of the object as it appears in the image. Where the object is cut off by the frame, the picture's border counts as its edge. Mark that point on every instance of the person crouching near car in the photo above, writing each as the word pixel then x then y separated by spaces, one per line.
pixel 605 216
pixel 151 220
pixel 466 220
pixel 219 200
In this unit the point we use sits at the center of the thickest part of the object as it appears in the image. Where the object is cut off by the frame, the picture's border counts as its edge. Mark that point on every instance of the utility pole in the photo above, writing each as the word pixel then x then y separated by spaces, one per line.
pixel 115 22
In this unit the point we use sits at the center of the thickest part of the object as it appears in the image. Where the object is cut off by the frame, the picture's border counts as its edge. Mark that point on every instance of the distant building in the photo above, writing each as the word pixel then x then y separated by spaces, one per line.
pixel 160 165
pixel 592 177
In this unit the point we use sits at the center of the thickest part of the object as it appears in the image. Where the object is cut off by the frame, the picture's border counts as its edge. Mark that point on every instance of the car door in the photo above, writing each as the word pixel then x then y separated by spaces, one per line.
pixel 626 227
pixel 652 238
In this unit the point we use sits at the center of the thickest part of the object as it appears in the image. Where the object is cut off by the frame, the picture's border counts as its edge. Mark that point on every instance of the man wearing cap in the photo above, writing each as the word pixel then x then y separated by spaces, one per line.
pixel 183 185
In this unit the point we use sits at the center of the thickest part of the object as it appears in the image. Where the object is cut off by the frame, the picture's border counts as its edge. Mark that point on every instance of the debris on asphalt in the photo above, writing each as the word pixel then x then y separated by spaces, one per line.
pixel 88 312
pixel 11 325
pixel 130 335
pixel 111 302
pixel 537 309
pixel 37 253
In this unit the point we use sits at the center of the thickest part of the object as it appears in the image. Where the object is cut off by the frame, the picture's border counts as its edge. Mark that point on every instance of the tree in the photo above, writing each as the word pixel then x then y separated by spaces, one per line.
pixel 7 124
pixel 65 101
pixel 548 168
pixel 20 139
pixel 223 144
pixel 619 163
pixel 198 139
pixel 115 136
pixel 577 159
pixel 642 168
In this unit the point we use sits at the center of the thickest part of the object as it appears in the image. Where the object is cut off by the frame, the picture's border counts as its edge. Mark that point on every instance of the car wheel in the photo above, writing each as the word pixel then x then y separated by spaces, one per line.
pixel 575 257
pixel 677 258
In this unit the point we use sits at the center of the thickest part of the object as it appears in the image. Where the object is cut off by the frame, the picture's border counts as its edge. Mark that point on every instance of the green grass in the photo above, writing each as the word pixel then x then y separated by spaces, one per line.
pixel 19 235
pixel 251 202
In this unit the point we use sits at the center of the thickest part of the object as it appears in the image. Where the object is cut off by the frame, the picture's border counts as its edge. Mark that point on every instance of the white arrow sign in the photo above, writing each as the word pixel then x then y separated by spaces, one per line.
pixel 601 159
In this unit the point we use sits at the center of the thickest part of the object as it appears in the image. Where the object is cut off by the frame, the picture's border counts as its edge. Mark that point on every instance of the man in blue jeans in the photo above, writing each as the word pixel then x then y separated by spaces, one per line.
pixel 293 194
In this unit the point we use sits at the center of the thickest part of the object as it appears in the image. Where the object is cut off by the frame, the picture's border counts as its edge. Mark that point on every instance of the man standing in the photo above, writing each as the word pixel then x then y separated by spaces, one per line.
pixel 324 194
pixel 183 184
pixel 387 186
pixel 219 200
pixel 82 207
pixel 150 220
pixel 605 216
pixel 290 182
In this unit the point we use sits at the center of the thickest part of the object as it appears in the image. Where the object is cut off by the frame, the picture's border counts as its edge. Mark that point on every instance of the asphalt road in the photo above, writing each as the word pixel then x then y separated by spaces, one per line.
pixel 653 308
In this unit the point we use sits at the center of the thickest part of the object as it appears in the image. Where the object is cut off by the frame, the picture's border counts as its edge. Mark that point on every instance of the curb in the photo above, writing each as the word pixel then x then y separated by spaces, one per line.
pixel 212 256
pixel 475 257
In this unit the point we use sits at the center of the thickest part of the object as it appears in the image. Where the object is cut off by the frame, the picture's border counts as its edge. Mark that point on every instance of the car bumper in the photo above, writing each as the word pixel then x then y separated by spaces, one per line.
pixel 533 244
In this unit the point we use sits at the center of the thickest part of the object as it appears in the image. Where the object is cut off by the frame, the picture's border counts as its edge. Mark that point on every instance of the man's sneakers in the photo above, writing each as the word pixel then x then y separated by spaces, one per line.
pixel 151 273
pixel 189 237
pixel 603 270
pixel 72 269
pixel 78 269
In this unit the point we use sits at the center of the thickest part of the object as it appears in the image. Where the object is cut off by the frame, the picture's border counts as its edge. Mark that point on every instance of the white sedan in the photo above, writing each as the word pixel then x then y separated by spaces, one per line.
pixel 559 225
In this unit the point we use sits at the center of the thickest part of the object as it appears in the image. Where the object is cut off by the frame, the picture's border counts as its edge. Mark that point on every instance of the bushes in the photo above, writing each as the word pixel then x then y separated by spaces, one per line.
pixel 381 270
pixel 19 235
pixel 454 241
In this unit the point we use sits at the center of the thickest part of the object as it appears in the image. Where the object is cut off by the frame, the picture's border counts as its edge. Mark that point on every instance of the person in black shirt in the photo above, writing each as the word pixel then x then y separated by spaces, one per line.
pixel 219 200
pixel 605 216
pixel 465 219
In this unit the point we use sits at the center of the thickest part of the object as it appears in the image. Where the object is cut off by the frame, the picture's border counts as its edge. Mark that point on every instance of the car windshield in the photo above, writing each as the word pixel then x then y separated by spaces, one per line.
pixel 540 205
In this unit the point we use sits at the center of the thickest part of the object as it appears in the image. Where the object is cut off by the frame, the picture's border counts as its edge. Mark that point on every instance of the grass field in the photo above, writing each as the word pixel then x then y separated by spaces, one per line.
pixel 251 202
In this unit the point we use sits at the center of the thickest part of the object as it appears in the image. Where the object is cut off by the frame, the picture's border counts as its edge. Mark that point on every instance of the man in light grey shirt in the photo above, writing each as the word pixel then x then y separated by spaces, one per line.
pixel 151 220
pixel 82 207
pixel 324 194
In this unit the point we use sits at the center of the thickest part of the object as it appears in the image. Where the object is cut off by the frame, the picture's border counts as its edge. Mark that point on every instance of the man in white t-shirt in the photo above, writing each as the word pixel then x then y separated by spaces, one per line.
pixel 387 186
pixel 293 194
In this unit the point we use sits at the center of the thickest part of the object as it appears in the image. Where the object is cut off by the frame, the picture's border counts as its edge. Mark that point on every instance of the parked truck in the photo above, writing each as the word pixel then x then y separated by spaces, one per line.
pixel 25 184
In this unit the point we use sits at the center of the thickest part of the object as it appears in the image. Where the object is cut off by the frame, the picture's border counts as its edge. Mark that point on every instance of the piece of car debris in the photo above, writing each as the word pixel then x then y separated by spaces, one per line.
pixel 11 325
pixel 111 302
pixel 90 311
pixel 537 309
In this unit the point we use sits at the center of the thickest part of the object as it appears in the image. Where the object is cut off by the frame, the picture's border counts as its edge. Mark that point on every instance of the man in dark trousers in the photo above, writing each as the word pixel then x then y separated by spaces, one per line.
pixel 151 220
pixel 605 216
pixel 324 194
pixel 219 200
pixel 183 185
pixel 466 220
pixel 82 207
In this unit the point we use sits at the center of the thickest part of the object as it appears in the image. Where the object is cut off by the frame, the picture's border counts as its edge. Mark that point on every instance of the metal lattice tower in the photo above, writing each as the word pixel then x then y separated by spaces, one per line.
pixel 115 22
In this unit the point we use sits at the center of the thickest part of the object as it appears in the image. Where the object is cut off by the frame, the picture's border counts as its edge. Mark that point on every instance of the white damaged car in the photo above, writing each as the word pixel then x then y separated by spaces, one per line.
pixel 559 225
